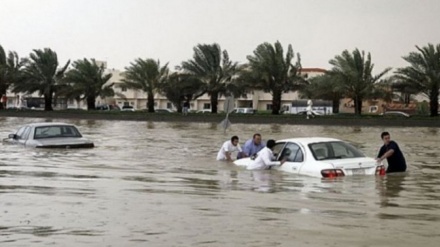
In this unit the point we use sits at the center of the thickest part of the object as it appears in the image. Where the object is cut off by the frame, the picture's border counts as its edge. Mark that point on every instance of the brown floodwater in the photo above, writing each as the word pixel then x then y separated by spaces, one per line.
pixel 158 184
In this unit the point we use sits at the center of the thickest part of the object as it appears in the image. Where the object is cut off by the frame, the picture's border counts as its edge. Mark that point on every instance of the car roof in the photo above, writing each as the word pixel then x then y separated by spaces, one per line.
pixel 49 124
pixel 309 140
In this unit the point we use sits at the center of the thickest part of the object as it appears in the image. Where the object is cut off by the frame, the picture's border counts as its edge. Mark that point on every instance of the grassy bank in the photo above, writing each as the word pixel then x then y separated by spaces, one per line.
pixel 339 119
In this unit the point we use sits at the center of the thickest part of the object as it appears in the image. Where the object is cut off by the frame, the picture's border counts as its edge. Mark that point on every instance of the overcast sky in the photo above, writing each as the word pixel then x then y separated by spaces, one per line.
pixel 119 31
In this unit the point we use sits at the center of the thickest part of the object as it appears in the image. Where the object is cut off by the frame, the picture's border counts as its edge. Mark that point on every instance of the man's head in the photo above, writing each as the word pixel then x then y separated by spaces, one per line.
pixel 234 140
pixel 386 138
pixel 256 139
pixel 270 144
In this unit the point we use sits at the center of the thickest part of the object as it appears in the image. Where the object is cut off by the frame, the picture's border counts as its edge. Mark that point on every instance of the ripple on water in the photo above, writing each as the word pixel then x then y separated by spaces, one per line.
pixel 158 184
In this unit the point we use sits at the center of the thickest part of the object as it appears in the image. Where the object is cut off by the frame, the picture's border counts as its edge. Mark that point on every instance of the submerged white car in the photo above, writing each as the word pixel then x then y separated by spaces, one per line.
pixel 321 157
pixel 49 135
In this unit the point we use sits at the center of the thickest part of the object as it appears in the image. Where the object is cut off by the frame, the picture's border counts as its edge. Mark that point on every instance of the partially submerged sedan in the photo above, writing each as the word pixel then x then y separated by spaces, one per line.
pixel 49 135
pixel 321 157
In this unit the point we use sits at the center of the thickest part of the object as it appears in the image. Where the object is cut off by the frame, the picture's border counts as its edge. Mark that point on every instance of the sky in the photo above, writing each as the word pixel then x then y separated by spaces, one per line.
pixel 120 31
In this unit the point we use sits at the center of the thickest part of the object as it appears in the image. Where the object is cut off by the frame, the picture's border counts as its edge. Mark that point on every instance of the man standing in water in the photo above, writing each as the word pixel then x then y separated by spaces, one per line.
pixel 265 158
pixel 228 147
pixel 252 146
pixel 391 151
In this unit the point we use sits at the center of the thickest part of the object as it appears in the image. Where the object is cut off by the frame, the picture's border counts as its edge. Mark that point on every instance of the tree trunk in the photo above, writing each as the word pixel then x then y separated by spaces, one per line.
pixel 91 103
pixel 150 102
pixel 179 107
pixel 214 102
pixel 357 105
pixel 433 102
pixel 335 105
pixel 48 101
pixel 276 102
pixel 2 92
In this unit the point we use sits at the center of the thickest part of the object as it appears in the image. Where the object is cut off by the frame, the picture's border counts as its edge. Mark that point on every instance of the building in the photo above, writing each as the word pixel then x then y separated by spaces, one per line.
pixel 257 99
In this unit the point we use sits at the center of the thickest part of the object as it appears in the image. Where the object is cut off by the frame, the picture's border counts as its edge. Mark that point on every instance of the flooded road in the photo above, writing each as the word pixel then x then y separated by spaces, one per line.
pixel 158 184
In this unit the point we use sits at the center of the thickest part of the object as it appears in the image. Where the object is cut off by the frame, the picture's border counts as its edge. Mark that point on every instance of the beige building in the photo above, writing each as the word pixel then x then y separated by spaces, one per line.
pixel 257 99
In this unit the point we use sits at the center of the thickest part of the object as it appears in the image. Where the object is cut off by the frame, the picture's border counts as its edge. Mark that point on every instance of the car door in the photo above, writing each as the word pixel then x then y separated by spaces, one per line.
pixel 294 156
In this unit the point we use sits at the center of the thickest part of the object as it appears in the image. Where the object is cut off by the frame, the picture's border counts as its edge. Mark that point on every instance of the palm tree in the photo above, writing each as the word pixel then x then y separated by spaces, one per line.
pixel 41 74
pixel 424 73
pixel 214 68
pixel 179 87
pixel 324 87
pixel 87 80
pixel 10 66
pixel 354 70
pixel 146 75
pixel 270 71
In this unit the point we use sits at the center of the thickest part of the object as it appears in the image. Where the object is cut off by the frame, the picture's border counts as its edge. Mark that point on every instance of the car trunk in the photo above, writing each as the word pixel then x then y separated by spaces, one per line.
pixel 355 166
pixel 65 143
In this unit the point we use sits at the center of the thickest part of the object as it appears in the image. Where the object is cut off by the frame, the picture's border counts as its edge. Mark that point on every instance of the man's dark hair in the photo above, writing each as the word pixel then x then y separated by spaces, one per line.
pixel 255 135
pixel 234 138
pixel 385 133
pixel 270 143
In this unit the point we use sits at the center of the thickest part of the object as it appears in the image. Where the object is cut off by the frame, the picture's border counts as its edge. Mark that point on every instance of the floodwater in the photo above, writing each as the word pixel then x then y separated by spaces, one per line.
pixel 158 184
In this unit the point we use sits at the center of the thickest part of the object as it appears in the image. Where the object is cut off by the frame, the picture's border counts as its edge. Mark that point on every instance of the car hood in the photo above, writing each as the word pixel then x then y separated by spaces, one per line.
pixel 72 142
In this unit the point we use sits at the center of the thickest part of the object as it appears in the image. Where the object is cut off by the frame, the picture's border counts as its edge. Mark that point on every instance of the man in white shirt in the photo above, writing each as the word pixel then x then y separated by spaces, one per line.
pixel 228 147
pixel 265 158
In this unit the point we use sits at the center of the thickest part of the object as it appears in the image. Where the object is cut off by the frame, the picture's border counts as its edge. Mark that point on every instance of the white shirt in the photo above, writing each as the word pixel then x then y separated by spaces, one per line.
pixel 264 160
pixel 228 147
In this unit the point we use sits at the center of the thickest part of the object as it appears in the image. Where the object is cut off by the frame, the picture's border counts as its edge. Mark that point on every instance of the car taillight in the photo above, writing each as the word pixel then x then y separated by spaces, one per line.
pixel 380 170
pixel 332 173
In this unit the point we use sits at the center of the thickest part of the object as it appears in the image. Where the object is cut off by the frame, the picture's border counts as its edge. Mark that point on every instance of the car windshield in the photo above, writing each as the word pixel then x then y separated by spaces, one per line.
pixel 334 150
pixel 56 131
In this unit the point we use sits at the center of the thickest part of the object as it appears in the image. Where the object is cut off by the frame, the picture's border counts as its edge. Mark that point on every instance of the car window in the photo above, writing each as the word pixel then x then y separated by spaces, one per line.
pixel 26 132
pixel 56 131
pixel 293 153
pixel 20 132
pixel 334 150
pixel 277 148
pixel 345 150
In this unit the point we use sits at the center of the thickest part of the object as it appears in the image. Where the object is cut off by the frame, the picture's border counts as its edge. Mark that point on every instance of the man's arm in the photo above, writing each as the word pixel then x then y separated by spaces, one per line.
pixel 228 156
pixel 385 155
pixel 268 161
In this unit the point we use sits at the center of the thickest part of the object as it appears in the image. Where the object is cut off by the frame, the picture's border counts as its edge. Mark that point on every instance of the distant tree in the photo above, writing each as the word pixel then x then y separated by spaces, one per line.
pixel 87 80
pixel 324 87
pixel 146 75
pixel 213 67
pixel 271 71
pixel 10 69
pixel 354 70
pixel 180 87
pixel 41 74
pixel 423 74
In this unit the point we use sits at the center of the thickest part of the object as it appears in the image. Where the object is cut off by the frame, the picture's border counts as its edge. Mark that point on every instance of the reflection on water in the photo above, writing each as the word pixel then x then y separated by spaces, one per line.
pixel 158 184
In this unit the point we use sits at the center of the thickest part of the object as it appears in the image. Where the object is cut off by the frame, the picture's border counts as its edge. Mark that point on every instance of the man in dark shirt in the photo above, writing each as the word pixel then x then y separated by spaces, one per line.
pixel 391 151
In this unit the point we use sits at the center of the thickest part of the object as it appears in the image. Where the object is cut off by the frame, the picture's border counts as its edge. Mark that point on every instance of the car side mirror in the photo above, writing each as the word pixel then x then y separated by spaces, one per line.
pixel 12 136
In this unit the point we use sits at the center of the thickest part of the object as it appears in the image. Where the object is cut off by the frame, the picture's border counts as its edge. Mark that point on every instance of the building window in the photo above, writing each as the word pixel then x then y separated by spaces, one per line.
pixel 207 106
pixel 169 105
pixel 155 104
pixel 71 101
pixel 123 89
pixel 269 107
